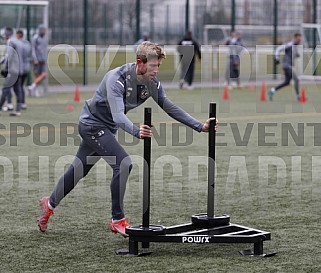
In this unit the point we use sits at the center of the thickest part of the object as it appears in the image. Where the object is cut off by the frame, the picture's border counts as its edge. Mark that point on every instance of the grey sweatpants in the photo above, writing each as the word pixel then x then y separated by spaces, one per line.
pixel 97 142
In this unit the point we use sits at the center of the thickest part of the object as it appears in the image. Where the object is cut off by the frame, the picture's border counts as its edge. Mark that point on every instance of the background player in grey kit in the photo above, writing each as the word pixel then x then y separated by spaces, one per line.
pixel 236 48
pixel 228 59
pixel 39 45
pixel 12 70
pixel 122 89
pixel 6 93
pixel 291 52
pixel 26 59
pixel 188 48
pixel 144 38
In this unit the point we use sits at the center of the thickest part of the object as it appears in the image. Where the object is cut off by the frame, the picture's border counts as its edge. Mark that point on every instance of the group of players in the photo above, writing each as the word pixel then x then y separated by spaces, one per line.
pixel 16 65
pixel 20 53
pixel 188 49
pixel 290 49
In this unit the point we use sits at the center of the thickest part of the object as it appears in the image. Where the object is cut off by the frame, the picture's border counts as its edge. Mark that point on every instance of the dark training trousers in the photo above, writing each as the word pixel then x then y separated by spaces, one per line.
pixel 15 82
pixel 23 93
pixel 187 72
pixel 97 142
pixel 233 69
pixel 289 74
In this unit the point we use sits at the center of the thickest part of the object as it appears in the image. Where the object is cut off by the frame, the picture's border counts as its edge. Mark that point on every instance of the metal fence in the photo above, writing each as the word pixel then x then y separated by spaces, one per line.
pixel 120 21
pixel 115 22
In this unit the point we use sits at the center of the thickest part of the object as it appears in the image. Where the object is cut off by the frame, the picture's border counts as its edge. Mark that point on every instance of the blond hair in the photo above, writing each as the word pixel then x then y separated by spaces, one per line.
pixel 148 50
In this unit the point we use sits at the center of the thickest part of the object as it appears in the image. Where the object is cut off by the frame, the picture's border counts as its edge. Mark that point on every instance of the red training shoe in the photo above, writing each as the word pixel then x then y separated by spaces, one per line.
pixel 45 214
pixel 119 226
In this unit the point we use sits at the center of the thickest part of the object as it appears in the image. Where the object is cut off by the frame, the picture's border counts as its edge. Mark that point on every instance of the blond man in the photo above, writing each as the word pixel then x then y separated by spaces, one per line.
pixel 122 89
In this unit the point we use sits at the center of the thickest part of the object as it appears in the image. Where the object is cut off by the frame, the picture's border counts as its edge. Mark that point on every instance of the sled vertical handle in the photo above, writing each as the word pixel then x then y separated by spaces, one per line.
pixel 146 171
pixel 211 161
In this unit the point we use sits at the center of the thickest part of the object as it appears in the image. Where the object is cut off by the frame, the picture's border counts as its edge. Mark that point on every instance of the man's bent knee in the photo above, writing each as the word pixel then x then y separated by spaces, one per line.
pixel 126 164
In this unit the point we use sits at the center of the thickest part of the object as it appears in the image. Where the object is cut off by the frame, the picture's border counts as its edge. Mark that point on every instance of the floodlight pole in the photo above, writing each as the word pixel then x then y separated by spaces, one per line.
pixel 275 35
pixel 187 15
pixel 46 16
pixel 85 76
pixel 315 19
pixel 28 22
pixel 121 11
pixel 233 16
pixel 167 24
pixel 152 23
pixel 137 20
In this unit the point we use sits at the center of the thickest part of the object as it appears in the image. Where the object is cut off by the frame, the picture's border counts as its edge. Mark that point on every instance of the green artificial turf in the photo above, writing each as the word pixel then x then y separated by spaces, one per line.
pixel 283 197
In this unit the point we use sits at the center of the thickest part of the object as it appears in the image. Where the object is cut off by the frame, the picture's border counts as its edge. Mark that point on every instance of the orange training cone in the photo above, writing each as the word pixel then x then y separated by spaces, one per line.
pixel 77 94
pixel 69 108
pixel 303 98
pixel 263 92
pixel 225 93
pixel 251 88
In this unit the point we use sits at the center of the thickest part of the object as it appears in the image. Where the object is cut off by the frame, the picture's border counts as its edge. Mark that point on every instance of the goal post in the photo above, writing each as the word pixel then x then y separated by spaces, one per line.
pixel 43 4
pixel 311 34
